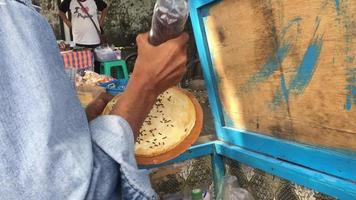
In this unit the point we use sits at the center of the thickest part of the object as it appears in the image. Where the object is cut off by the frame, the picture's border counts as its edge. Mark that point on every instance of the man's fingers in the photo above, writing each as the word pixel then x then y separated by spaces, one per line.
pixel 96 107
pixel 142 38
pixel 177 75
pixel 93 110
pixel 182 39
pixel 105 97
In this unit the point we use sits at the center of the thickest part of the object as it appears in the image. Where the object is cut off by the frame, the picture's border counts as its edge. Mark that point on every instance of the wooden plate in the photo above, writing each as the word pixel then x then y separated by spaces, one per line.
pixel 185 144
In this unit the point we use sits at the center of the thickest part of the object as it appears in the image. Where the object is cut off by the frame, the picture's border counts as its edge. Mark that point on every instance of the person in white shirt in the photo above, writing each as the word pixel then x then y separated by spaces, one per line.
pixel 85 34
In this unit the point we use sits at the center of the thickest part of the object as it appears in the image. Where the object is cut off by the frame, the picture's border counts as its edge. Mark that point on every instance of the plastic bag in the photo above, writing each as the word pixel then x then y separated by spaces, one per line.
pixel 103 54
pixel 230 190
pixel 169 18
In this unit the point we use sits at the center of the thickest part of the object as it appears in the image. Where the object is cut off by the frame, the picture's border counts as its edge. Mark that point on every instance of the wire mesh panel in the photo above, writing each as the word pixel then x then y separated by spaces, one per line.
pixel 182 177
pixel 264 186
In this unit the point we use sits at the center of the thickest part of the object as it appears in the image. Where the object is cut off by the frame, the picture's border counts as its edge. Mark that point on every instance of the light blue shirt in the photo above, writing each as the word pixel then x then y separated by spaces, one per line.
pixel 47 148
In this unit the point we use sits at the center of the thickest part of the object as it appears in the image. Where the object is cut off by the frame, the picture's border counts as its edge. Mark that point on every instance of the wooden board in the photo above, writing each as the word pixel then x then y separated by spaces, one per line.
pixel 287 68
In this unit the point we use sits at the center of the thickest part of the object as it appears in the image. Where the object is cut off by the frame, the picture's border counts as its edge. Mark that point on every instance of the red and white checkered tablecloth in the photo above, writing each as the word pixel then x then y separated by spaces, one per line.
pixel 78 59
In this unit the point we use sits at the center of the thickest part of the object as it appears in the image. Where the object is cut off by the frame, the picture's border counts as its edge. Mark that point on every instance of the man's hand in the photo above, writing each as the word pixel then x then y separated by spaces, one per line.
pixel 63 16
pixel 161 67
pixel 156 69
pixel 96 107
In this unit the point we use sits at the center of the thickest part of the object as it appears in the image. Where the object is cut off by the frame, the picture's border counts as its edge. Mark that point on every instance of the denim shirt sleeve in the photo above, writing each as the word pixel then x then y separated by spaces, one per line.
pixel 47 148
pixel 113 135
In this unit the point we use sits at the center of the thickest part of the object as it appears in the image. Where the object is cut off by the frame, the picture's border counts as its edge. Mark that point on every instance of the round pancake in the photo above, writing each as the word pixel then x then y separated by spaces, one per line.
pixel 169 122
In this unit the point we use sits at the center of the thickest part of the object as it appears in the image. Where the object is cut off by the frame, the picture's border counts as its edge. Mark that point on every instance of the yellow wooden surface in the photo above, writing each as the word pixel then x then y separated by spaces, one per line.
pixel 287 68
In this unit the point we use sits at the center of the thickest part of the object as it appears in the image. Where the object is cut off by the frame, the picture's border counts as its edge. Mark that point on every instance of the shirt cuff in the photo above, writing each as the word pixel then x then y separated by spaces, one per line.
pixel 115 137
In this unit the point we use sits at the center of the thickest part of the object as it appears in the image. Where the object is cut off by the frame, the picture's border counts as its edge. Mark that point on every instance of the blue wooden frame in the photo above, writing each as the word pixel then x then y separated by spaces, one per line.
pixel 325 183
pixel 334 163
pixel 329 171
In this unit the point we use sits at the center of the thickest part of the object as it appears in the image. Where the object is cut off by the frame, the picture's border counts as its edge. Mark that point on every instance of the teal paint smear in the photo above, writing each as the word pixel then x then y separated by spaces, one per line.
pixel 307 67
pixel 277 100
pixel 279 93
pixel 273 62
pixel 271 66
pixel 305 70
pixel 284 89
pixel 304 73
pixel 303 76
pixel 351 89
pixel 337 5
pixel 348 104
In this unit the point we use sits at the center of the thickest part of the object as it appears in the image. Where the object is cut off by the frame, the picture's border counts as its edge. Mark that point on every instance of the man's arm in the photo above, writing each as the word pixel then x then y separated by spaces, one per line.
pixel 65 19
pixel 156 70
pixel 63 9
pixel 103 8
pixel 44 134
pixel 103 16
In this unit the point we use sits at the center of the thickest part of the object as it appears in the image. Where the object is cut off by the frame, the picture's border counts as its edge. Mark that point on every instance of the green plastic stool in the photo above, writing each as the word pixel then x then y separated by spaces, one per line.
pixel 119 65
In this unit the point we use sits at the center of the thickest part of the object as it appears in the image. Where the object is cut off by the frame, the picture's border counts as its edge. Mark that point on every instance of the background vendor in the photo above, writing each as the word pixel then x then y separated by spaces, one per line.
pixel 84 32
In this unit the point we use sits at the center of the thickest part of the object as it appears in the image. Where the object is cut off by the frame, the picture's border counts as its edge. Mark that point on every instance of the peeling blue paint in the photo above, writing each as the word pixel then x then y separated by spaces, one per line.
pixel 350 89
pixel 304 72
pixel 279 93
pixel 285 91
pixel 273 62
pixel 337 5
pixel 271 66
pixel 277 99
pixel 303 76
pixel 307 67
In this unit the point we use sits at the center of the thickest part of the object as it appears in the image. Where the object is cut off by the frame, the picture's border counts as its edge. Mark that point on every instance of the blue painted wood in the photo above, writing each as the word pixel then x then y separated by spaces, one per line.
pixel 193 152
pixel 328 184
pixel 200 3
pixel 337 164
pixel 218 170
pixel 325 183
pixel 196 17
